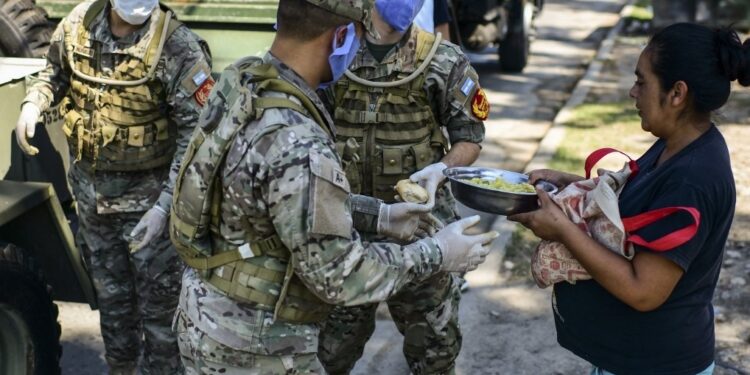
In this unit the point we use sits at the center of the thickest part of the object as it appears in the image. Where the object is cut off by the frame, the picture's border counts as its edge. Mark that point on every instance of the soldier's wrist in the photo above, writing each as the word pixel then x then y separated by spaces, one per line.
pixel 164 203
pixel 428 256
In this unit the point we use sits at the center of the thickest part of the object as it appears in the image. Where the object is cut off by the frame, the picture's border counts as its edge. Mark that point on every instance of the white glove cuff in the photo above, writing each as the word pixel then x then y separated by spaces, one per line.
pixel 383 218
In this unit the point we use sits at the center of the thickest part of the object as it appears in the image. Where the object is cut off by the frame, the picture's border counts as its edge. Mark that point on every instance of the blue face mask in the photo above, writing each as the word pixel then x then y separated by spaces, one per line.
pixel 342 56
pixel 399 14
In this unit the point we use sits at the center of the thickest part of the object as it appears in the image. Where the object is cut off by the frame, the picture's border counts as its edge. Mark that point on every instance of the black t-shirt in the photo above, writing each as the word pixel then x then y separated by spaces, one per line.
pixel 440 12
pixel 678 337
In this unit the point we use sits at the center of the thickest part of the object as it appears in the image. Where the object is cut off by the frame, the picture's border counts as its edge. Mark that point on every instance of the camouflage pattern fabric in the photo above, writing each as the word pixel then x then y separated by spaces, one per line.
pixel 357 10
pixel 203 355
pixel 137 293
pixel 425 313
pixel 281 175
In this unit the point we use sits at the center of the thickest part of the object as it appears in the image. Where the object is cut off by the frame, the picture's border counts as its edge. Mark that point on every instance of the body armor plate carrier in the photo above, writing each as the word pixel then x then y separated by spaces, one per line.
pixel 117 121
pixel 392 122
pixel 260 271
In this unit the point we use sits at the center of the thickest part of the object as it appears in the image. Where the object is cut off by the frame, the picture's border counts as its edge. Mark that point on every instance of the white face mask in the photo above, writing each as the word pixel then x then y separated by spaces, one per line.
pixel 134 12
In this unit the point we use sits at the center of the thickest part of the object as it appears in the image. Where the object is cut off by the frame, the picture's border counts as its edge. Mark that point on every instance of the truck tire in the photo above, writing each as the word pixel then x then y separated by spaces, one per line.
pixel 515 47
pixel 29 331
pixel 24 29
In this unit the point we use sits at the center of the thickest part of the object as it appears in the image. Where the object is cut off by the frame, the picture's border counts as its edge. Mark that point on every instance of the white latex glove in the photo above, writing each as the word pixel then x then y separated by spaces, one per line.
pixel 26 126
pixel 407 221
pixel 153 223
pixel 430 178
pixel 463 252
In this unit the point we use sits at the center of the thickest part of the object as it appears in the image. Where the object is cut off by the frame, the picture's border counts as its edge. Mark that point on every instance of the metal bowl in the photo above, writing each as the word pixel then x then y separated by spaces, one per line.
pixel 491 200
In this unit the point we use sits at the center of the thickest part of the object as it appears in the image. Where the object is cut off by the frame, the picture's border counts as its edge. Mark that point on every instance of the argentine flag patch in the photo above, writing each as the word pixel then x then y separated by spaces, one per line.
pixel 467 86
pixel 199 78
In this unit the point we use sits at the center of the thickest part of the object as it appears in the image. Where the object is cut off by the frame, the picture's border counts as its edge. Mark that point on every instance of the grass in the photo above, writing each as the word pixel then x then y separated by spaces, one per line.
pixel 592 126
pixel 641 11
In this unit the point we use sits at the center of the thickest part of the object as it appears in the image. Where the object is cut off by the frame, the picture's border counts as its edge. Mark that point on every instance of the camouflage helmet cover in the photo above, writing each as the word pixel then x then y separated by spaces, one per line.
pixel 356 10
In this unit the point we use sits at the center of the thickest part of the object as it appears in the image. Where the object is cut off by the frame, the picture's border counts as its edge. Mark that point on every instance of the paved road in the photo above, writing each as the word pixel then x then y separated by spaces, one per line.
pixel 507 328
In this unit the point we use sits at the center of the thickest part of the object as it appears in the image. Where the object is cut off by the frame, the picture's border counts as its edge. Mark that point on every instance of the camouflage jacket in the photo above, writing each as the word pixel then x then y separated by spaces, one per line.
pixel 281 178
pixel 185 56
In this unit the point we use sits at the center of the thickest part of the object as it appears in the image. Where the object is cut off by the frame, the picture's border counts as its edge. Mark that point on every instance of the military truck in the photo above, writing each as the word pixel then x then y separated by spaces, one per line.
pixel 506 24
pixel 38 258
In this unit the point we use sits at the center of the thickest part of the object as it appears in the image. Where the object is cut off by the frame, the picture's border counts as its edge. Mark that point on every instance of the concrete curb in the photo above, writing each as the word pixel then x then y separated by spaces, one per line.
pixel 554 136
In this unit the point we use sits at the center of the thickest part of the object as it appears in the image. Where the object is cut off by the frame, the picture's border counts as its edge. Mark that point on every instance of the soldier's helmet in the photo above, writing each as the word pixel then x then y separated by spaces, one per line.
pixel 357 10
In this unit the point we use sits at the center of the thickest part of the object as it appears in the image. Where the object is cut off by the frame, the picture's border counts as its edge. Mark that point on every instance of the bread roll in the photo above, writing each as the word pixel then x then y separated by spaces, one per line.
pixel 411 192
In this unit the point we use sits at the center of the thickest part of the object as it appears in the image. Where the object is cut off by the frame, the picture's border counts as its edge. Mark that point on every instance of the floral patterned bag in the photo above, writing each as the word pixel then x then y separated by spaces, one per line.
pixel 592 204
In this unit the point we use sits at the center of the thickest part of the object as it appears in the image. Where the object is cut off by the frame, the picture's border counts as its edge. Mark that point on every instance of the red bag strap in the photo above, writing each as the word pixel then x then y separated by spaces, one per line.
pixel 597 155
pixel 669 241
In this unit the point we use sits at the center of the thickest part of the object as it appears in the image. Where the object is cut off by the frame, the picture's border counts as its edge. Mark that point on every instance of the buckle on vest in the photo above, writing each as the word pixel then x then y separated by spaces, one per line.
pixel 245 251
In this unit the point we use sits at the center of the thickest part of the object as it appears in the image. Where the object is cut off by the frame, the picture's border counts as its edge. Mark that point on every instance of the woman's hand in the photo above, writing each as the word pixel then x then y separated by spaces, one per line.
pixel 549 222
pixel 560 179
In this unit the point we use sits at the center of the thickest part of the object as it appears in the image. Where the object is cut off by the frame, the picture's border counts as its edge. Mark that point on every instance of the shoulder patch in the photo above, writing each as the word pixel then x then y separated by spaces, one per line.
pixel 329 195
pixel 467 86
pixel 196 76
pixel 201 94
pixel 480 106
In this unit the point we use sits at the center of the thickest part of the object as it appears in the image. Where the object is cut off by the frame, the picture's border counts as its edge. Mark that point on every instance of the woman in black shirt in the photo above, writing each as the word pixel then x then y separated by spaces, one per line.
pixel 653 314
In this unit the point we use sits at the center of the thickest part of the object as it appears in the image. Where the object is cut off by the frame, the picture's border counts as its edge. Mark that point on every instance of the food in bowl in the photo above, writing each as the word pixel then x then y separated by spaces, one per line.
pixel 411 192
pixel 502 185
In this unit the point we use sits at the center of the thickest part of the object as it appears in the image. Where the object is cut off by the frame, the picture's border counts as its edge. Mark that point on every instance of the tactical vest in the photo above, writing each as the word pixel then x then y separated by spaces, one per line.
pixel 260 271
pixel 393 123
pixel 117 121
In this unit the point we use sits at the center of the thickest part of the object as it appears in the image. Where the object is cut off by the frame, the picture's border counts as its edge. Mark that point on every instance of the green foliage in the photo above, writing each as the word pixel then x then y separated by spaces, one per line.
pixel 593 126
pixel 640 11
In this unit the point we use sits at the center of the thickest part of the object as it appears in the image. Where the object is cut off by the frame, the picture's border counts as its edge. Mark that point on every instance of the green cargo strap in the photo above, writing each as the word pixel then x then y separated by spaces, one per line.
pixel 222 258
pixel 267 76
pixel 369 117
pixel 253 276
pixel 267 246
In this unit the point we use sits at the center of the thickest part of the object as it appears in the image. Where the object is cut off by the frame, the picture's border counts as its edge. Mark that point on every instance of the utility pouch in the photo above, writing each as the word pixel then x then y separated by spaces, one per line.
pixel 71 122
pixel 162 129
pixel 423 155
pixel 393 162
pixel 136 134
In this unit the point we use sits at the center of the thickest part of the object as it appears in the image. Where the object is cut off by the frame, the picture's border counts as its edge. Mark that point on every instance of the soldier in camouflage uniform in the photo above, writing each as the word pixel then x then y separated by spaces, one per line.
pixel 264 219
pixel 399 129
pixel 132 86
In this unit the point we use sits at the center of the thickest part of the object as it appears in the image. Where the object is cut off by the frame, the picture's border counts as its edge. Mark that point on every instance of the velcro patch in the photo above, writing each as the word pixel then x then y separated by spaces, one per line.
pixel 467 86
pixel 199 77
pixel 480 106
pixel 201 95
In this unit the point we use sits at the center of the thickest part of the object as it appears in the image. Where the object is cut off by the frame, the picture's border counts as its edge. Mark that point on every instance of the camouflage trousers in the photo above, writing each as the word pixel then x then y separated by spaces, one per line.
pixel 425 313
pixel 137 293
pixel 202 355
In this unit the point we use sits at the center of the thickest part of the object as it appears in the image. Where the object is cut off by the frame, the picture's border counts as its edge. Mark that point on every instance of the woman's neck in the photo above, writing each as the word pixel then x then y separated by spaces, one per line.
pixel 682 137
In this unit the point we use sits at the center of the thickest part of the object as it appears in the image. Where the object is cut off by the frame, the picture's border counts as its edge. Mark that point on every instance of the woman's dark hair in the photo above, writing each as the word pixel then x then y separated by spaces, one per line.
pixel 707 60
